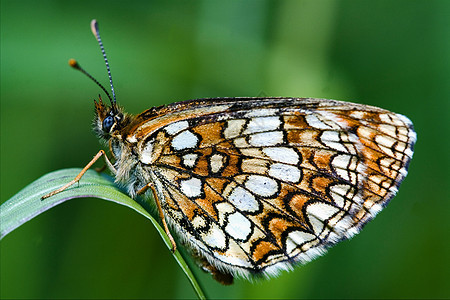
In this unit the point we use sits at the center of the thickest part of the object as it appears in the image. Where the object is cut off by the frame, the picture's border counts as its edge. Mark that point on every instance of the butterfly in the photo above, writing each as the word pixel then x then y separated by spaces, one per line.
pixel 253 186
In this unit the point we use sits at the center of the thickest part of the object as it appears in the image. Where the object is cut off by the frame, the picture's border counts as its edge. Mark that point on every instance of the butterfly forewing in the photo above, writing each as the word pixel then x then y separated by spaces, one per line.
pixel 255 184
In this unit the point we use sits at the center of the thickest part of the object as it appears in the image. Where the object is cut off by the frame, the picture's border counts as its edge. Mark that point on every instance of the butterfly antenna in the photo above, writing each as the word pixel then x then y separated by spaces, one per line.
pixel 94 28
pixel 74 64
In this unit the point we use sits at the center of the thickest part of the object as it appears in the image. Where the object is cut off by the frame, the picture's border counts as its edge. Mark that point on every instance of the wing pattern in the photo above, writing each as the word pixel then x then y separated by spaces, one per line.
pixel 264 183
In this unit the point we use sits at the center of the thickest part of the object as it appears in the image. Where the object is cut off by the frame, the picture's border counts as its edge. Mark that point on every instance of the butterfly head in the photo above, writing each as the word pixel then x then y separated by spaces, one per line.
pixel 109 120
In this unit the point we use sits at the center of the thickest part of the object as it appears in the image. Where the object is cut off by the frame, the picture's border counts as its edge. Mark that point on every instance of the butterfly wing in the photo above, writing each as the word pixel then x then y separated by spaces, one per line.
pixel 255 185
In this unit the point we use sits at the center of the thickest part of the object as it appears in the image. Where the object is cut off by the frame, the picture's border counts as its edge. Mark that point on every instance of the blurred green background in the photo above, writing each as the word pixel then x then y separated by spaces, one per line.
pixel 391 54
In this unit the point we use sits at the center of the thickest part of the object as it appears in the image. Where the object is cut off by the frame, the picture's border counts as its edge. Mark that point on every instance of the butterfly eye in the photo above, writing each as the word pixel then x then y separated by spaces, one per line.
pixel 108 123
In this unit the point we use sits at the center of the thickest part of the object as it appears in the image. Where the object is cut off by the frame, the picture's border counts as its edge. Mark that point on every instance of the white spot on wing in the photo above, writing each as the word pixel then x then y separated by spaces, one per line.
pixel 216 162
pixel 191 187
pixel 176 127
pixel 261 185
pixel 385 140
pixel 282 154
pixel 285 172
pixel 147 153
pixel 184 140
pixel 234 128
pixel 239 227
pixel 190 159
pixel 215 237
pixel 271 138
pixel 198 222
pixel 385 118
pixel 262 124
pixel 321 211
pixel 387 129
pixel 241 142
pixel 341 161
pixel 243 200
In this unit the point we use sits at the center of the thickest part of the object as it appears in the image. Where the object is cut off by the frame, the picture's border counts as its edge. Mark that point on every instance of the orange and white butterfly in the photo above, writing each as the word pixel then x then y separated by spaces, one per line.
pixel 253 186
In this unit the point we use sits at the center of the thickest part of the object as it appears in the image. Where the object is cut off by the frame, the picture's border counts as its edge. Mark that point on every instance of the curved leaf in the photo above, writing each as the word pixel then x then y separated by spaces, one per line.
pixel 27 204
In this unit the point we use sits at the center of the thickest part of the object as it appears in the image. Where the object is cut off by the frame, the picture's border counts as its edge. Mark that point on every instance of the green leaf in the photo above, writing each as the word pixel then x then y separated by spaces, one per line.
pixel 27 204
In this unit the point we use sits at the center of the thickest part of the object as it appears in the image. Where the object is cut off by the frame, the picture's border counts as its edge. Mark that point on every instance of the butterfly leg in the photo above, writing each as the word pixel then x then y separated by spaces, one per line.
pixel 78 177
pixel 107 162
pixel 160 211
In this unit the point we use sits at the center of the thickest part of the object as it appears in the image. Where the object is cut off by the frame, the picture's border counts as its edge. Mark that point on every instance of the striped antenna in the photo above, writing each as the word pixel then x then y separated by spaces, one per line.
pixel 74 64
pixel 94 28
